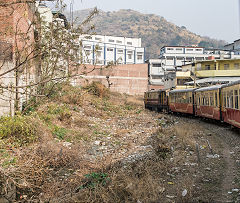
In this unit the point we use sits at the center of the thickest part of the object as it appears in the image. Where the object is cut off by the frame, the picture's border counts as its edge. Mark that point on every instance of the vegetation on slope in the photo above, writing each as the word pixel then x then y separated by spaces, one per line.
pixel 91 145
pixel 154 30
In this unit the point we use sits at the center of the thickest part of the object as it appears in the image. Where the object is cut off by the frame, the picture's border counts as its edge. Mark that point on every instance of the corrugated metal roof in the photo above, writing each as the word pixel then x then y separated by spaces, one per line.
pixel 214 87
pixel 215 80
pixel 232 83
pixel 182 90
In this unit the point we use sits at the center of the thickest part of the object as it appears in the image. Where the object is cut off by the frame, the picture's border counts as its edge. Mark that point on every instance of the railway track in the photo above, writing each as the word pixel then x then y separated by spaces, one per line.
pixel 218 176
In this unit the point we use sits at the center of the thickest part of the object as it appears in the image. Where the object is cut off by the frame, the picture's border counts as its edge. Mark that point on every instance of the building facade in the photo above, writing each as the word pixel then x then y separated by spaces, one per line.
pixel 102 50
pixel 234 47
pixel 16 47
pixel 209 72
pixel 172 58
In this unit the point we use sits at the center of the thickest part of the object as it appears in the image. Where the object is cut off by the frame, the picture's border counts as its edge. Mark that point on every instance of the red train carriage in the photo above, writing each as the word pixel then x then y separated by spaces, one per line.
pixel 207 102
pixel 230 103
pixel 156 100
pixel 181 101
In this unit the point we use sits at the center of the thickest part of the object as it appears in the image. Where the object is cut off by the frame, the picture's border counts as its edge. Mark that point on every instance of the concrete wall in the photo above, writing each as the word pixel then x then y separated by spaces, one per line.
pixel 130 79
pixel 6 95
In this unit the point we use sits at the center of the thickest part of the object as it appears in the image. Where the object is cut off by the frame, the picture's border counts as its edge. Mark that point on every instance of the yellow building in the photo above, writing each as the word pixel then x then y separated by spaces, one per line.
pixel 217 68
pixel 182 78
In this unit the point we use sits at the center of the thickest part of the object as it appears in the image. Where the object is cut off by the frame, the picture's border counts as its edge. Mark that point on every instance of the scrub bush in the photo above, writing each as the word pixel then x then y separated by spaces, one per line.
pixel 19 129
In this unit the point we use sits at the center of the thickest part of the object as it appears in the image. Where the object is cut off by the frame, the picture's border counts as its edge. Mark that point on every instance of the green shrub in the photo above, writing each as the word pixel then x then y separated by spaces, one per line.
pixel 95 179
pixel 59 132
pixel 62 112
pixel 19 129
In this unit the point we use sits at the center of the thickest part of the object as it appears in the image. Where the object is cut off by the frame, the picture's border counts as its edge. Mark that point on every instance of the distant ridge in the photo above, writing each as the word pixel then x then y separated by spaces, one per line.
pixel 154 30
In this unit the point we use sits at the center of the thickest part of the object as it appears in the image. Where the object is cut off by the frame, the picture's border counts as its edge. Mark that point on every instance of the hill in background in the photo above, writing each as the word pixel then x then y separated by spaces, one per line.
pixel 154 30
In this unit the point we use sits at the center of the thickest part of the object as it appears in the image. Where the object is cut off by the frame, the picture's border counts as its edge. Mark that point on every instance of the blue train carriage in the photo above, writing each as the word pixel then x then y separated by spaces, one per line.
pixel 230 103
pixel 208 103
pixel 182 100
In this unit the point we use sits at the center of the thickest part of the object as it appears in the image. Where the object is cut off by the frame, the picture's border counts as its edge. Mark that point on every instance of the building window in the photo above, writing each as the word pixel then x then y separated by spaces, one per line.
pixel 179 49
pixel 156 65
pixel 129 52
pixel 129 43
pixel 110 49
pixel 99 54
pixel 111 40
pixel 180 58
pixel 236 65
pixel 226 66
pixel 129 56
pixel 87 47
pixel 198 49
pixel 170 49
pixel 189 49
pixel 120 51
pixel 139 57
pixel 119 42
pixel 157 77
pixel 207 67
pixel 87 52
pixel 97 38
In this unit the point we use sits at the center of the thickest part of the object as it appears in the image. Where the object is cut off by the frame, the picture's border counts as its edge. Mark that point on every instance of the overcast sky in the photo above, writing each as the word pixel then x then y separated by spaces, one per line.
pixel 214 18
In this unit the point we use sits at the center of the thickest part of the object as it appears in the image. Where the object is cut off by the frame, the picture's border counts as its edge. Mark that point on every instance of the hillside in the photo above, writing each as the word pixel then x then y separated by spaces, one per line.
pixel 154 30
pixel 90 145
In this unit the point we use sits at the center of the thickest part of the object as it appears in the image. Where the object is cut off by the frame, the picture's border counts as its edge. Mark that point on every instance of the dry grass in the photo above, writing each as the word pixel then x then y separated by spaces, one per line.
pixel 55 169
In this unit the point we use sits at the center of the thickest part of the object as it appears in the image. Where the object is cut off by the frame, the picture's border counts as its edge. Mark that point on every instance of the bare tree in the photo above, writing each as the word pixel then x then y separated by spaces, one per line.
pixel 41 52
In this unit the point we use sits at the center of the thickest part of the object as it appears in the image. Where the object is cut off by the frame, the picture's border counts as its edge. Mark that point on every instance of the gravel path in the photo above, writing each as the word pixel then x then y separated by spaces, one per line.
pixel 219 172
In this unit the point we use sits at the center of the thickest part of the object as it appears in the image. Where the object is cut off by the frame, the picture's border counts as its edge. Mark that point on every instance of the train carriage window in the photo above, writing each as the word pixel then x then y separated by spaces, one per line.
pixel 228 99
pixel 216 99
pixel 225 99
pixel 199 100
pixel 207 99
pixel 211 99
pixel 231 99
pixel 236 101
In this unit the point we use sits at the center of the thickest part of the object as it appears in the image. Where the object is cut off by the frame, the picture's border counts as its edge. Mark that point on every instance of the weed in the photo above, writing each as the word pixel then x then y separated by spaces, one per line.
pixel 59 132
pixel 62 112
pixel 19 129
pixel 139 111
pixel 95 179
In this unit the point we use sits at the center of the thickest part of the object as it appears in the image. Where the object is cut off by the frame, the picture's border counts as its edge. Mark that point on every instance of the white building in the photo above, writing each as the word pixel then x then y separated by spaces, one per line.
pixel 234 47
pixel 101 50
pixel 161 71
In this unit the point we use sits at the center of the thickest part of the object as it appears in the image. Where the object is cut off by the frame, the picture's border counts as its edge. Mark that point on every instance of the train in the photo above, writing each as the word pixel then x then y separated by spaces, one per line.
pixel 218 102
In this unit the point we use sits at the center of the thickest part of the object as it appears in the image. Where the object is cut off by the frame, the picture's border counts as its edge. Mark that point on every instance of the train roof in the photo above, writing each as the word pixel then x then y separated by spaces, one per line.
pixel 231 83
pixel 152 91
pixel 183 90
pixel 213 87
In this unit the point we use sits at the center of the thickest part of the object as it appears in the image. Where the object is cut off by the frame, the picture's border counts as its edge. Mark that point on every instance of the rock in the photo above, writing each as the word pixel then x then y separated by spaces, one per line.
pixel 97 142
pixel 184 193
pixel 215 156
pixel 170 197
pixel 67 144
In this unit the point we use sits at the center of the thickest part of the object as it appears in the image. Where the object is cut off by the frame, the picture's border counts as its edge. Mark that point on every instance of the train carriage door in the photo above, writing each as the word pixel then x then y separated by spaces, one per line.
pixel 221 97
pixel 160 100
pixel 194 103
